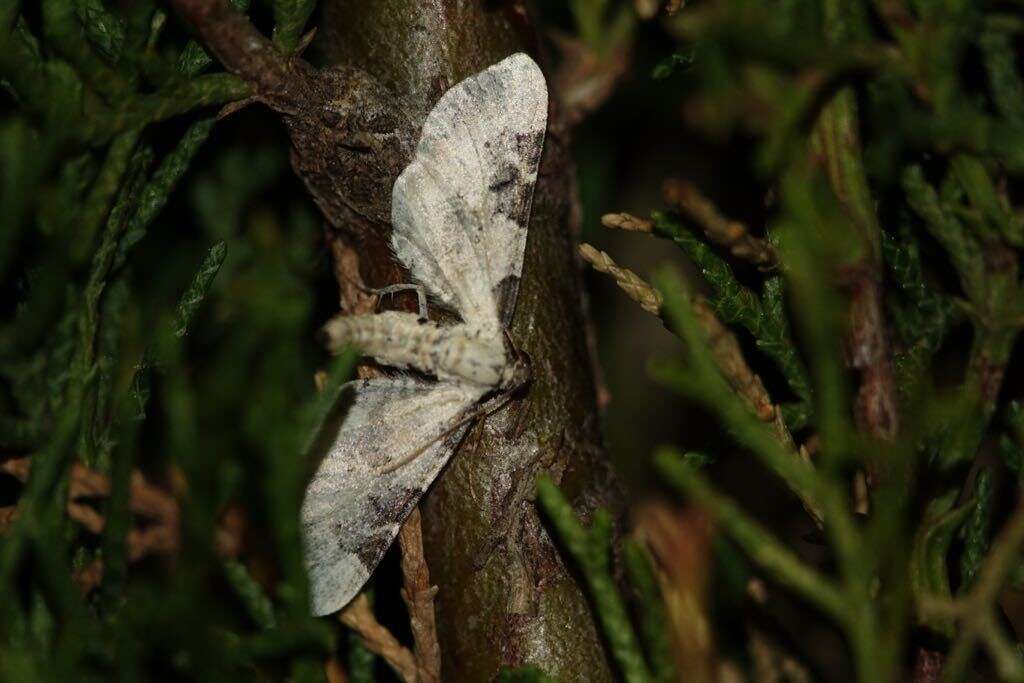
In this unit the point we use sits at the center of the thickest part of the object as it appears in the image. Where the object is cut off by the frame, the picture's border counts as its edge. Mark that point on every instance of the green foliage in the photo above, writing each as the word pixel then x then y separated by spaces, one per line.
pixel 921 315
pixel 762 548
pixel 257 604
pixel 128 330
pixel 674 63
pixel 976 529
pixel 763 317
pixel 290 16
pixel 699 378
pixel 193 59
pixel 105 30
pixel 929 573
pixel 602 26
pixel 653 621
pixel 591 549
pixel 964 251
pixel 884 160
pixel 360 661
pixel 197 290
pixel 1006 87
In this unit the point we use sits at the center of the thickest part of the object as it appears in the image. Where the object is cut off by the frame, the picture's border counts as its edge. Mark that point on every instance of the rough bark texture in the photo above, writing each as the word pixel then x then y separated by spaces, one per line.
pixel 505 598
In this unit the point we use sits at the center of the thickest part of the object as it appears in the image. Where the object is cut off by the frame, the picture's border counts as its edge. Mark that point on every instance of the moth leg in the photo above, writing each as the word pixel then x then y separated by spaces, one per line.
pixel 421 295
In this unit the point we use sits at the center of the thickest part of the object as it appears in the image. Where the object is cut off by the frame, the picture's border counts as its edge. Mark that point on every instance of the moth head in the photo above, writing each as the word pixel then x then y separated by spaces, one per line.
pixel 516 375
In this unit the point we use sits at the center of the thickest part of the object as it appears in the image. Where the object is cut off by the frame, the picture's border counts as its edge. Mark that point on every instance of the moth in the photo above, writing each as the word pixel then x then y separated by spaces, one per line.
pixel 460 212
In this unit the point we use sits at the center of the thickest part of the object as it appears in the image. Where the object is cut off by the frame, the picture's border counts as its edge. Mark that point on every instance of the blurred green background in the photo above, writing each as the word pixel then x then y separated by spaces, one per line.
pixel 161 291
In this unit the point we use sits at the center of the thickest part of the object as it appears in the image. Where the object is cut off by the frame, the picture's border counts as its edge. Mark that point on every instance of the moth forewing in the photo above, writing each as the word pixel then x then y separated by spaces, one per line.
pixel 461 209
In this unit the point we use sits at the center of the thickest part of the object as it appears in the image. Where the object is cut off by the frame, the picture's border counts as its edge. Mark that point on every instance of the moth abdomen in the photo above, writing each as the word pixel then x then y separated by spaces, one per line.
pixel 465 353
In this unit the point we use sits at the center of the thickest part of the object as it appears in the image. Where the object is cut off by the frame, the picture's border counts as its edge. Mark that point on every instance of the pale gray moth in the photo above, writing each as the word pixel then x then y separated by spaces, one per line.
pixel 459 212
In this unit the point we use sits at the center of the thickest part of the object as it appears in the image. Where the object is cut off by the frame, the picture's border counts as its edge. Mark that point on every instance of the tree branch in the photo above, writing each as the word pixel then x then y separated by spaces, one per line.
pixel 504 595
pixel 505 598
pixel 237 44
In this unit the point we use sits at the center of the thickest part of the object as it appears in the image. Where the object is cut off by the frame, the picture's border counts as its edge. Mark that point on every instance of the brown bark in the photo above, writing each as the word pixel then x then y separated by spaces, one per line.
pixel 876 410
pixel 927 666
pixel 505 598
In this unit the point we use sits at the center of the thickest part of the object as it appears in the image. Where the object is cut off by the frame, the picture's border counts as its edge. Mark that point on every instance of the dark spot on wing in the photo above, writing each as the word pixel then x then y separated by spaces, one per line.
pixel 528 146
pixel 512 192
pixel 505 294
pixel 505 175
pixel 370 552
pixel 384 510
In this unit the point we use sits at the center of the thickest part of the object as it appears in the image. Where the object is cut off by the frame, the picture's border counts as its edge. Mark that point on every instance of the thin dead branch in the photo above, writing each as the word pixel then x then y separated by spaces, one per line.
pixel 353 296
pixel 869 353
pixel 728 356
pixel 721 342
pixel 629 282
pixel 681 545
pixel 334 672
pixel 418 594
pixel 730 234
pixel 627 222
pixel 239 46
pixel 377 639
pixel 160 535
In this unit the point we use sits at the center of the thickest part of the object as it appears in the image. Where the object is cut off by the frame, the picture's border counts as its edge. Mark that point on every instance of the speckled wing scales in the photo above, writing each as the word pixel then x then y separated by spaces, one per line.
pixel 461 209
pixel 460 214
pixel 352 512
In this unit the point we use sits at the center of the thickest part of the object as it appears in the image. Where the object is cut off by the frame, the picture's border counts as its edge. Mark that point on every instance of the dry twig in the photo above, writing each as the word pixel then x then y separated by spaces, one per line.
pixel 729 357
pixel 632 284
pixel 359 617
pixel 722 343
pixel 241 48
pixel 586 78
pixel 869 353
pixel 418 594
pixel 627 221
pixel 727 233
pixel 160 536
pixel 334 672
pixel 680 543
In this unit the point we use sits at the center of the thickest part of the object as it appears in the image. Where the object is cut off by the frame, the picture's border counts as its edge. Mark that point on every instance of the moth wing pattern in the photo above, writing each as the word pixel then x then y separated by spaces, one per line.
pixel 460 210
pixel 352 512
